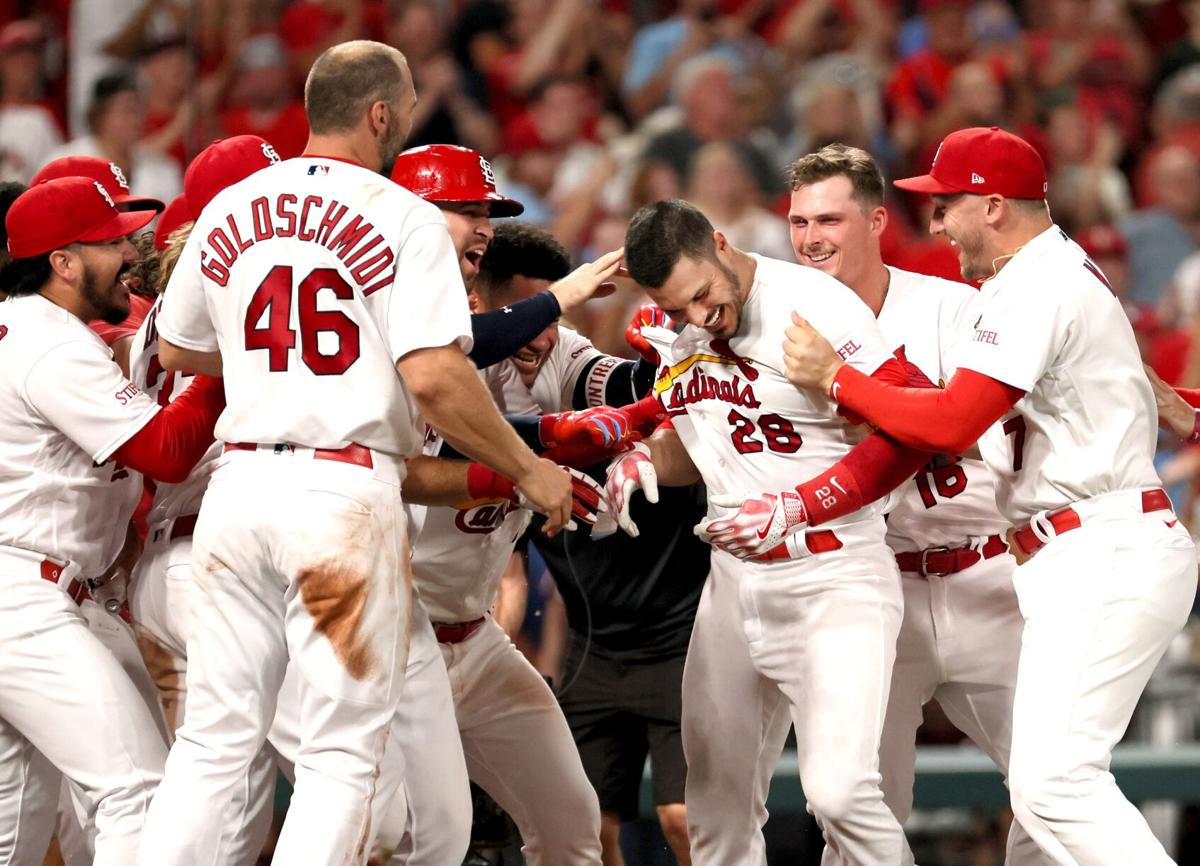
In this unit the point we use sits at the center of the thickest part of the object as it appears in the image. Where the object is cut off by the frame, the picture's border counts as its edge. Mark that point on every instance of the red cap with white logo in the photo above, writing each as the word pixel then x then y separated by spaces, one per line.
pixel 64 211
pixel 222 164
pixel 983 161
pixel 109 174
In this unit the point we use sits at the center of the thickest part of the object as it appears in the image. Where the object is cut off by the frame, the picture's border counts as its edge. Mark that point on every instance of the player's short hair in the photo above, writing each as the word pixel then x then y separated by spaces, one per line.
pixel 840 160
pixel 106 89
pixel 25 276
pixel 660 234
pixel 520 249
pixel 347 79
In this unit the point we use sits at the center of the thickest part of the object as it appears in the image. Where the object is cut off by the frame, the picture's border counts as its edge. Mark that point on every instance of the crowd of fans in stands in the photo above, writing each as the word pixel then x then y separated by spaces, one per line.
pixel 592 108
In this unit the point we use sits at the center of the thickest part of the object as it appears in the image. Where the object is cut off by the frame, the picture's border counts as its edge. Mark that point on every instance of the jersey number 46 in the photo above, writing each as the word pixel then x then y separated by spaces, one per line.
pixel 272 304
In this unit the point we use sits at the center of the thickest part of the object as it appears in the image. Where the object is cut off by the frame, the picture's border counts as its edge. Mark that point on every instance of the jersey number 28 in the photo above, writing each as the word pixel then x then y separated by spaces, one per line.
pixel 272 302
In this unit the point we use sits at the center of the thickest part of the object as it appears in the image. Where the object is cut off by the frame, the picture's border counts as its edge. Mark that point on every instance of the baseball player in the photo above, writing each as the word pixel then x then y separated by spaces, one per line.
pixel 463 186
pixel 805 626
pixel 961 634
pixel 330 280
pixel 76 435
pixel 1050 383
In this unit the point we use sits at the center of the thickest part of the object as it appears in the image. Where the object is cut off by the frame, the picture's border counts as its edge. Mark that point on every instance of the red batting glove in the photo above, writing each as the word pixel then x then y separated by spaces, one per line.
pixel 757 527
pixel 645 316
pixel 587 437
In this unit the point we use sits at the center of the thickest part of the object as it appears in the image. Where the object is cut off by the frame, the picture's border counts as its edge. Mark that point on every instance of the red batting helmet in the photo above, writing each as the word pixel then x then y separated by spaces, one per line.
pixel 446 172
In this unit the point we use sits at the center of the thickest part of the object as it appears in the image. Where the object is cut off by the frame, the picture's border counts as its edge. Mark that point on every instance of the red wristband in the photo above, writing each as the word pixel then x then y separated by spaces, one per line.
pixel 1195 437
pixel 485 483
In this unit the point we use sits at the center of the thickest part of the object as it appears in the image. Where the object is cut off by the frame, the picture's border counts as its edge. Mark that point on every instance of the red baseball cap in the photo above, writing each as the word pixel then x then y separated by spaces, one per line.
pixel 64 211
pixel 983 161
pixel 173 217
pixel 447 172
pixel 25 33
pixel 222 164
pixel 108 174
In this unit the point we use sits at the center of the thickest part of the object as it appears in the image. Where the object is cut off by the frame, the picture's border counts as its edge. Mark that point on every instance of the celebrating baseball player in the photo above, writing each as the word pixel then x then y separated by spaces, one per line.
pixel 311 284
pixel 76 434
pixel 1050 383
pixel 794 625
pixel 961 634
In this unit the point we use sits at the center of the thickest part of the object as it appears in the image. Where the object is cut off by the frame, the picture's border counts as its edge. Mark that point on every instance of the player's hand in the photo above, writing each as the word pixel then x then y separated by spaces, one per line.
pixel 605 427
pixel 632 471
pixel 758 526
pixel 809 360
pixel 549 490
pixel 1174 413
pixel 593 280
pixel 647 315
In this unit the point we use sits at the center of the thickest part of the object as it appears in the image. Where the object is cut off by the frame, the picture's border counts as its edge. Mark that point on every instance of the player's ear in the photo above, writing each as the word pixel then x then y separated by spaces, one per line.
pixel 379 115
pixel 64 264
pixel 879 220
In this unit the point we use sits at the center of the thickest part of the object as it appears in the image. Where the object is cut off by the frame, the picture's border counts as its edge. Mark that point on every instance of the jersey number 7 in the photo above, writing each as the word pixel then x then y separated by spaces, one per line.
pixel 272 302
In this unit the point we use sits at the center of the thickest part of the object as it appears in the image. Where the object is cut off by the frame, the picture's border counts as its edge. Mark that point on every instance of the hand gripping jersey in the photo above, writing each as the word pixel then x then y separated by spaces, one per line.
pixel 1049 324
pixel 67 408
pixel 460 553
pixel 747 429
pixel 952 499
pixel 373 275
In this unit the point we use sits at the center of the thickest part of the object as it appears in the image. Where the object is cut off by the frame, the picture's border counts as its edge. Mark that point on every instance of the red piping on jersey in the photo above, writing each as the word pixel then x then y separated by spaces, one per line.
pixel 942 421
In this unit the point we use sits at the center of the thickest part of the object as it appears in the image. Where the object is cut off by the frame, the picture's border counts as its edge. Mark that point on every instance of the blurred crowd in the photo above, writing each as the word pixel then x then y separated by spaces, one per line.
pixel 592 108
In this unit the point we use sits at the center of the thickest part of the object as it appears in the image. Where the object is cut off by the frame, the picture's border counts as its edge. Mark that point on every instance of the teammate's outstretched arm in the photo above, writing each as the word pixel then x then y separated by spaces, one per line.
pixel 453 399
pixel 660 458
pixel 176 359
pixel 1177 410
pixel 944 421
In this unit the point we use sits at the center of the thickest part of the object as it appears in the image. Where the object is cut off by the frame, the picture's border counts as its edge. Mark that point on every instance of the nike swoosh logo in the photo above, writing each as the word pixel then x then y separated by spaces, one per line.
pixel 1170 523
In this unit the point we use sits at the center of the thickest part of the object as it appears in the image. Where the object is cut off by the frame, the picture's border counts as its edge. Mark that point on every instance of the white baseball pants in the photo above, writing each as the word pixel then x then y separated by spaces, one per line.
pixel 811 643
pixel 64 695
pixel 1100 603
pixel 161 608
pixel 959 643
pixel 301 559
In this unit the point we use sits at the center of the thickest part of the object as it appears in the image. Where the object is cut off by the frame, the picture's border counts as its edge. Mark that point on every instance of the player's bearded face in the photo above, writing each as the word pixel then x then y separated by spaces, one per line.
pixel 704 292
pixel 471 230
pixel 960 219
pixel 103 287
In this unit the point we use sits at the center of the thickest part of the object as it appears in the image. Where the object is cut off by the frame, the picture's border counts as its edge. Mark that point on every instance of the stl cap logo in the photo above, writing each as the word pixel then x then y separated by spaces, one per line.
pixel 975 178
pixel 100 189
pixel 119 175
pixel 489 177
pixel 270 154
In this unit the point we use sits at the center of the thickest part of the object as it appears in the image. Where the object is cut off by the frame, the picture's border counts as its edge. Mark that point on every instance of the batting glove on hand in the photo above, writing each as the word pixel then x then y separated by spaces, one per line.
pixel 634 470
pixel 647 315
pixel 587 496
pixel 759 525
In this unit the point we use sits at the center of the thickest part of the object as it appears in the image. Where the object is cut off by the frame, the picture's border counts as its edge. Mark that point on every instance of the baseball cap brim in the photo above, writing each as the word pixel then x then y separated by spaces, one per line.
pixel 925 183
pixel 140 203
pixel 504 207
pixel 124 223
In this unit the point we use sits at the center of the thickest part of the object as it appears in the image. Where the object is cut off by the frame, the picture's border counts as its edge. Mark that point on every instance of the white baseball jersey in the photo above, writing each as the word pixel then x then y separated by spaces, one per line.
pixel 929 317
pixel 1086 426
pixel 312 277
pixel 460 553
pixel 163 386
pixel 744 425
pixel 67 409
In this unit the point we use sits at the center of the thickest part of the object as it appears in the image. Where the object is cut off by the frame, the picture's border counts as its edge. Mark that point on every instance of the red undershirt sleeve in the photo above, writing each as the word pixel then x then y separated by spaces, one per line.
pixel 942 421
pixel 1191 396
pixel 175 439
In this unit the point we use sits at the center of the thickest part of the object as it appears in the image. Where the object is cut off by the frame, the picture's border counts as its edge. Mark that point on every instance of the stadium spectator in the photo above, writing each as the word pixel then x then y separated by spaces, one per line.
pixel 115 118
pixel 1162 236
pixel 706 89
pixel 28 130
pixel 720 184
pixel 1087 186
pixel 262 100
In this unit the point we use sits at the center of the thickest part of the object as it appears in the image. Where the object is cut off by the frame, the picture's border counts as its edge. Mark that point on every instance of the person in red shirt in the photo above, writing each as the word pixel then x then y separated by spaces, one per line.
pixel 262 101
